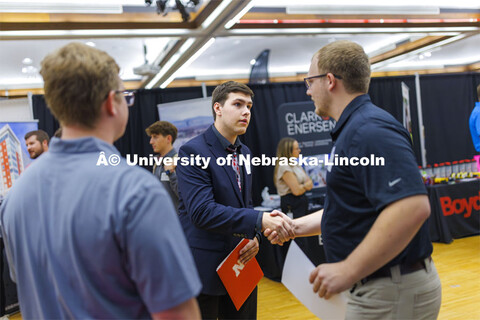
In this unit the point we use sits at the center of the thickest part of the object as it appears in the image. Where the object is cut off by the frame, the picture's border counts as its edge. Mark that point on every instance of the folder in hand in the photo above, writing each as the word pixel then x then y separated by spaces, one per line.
pixel 239 279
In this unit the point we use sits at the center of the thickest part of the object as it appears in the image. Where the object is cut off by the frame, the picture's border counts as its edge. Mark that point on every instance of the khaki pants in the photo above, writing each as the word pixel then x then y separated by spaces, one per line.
pixel 416 295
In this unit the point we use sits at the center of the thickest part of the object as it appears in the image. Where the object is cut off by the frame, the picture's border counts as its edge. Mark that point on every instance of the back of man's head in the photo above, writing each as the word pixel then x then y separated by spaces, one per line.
pixel 77 79
pixel 164 128
pixel 347 60
pixel 221 92
pixel 40 134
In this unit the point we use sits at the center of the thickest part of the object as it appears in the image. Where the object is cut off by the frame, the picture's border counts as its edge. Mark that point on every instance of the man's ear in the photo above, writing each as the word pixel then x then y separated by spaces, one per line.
pixel 109 104
pixel 44 144
pixel 217 108
pixel 169 138
pixel 332 81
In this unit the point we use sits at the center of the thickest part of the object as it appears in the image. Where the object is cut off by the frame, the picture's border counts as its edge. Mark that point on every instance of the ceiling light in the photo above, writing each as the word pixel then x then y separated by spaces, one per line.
pixel 87 6
pixel 27 61
pixel 218 10
pixel 331 31
pixel 361 9
pixel 239 15
pixel 253 61
pixel 170 62
pixel 188 62
pixel 90 44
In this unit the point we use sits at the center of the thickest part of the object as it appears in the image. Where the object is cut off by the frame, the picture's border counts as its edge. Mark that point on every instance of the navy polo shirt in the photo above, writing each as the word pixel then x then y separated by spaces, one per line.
pixel 356 195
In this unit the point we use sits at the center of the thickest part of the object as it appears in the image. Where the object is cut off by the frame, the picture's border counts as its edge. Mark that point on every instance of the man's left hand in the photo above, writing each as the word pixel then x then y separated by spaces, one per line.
pixel 331 278
pixel 249 251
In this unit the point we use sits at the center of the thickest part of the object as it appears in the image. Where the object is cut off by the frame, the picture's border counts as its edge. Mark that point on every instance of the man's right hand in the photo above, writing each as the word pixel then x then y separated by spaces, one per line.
pixel 277 227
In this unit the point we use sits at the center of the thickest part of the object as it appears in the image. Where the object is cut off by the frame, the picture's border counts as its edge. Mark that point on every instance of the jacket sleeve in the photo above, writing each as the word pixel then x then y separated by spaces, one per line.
pixel 196 189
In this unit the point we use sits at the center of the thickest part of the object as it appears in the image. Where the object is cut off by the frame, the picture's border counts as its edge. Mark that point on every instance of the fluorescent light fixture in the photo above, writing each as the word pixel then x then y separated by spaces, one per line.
pixel 472 4
pixel 414 53
pixel 96 33
pixel 333 31
pixel 235 19
pixel 45 6
pixel 170 62
pixel 218 10
pixel 188 62
pixel 362 9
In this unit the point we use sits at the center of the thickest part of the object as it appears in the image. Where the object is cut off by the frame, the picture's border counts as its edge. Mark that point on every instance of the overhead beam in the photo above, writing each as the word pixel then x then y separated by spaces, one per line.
pixel 206 33
pixel 408 47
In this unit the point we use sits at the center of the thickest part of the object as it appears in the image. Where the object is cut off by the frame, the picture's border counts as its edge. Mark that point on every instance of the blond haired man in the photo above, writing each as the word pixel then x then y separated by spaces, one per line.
pixel 92 241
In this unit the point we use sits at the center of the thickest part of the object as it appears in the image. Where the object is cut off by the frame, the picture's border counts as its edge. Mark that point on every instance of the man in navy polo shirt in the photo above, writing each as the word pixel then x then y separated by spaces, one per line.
pixel 373 225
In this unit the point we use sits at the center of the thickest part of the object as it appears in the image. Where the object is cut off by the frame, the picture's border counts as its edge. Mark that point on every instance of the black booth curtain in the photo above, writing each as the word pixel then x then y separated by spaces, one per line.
pixel 386 92
pixel 447 101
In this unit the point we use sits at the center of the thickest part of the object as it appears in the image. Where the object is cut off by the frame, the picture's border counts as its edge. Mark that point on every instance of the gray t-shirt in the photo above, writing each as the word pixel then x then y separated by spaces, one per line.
pixel 93 241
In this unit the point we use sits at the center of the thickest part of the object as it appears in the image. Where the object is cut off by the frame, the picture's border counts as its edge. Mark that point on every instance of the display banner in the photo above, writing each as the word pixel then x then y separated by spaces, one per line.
pixel 299 121
pixel 14 157
pixel 191 117
pixel 407 120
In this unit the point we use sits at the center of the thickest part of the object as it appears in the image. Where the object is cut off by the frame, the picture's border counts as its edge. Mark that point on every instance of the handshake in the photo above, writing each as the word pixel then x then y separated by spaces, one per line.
pixel 277 227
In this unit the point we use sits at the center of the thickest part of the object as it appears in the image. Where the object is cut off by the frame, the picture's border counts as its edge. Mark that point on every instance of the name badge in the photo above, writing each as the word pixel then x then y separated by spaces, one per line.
pixel 164 177
pixel 247 167
pixel 330 165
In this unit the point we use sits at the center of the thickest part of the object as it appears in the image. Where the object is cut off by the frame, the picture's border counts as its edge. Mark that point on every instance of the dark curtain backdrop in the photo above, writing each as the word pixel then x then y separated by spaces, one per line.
pixel 447 101
pixel 386 92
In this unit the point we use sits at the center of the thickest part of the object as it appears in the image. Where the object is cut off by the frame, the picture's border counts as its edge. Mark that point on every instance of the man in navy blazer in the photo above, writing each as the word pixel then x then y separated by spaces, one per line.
pixel 216 204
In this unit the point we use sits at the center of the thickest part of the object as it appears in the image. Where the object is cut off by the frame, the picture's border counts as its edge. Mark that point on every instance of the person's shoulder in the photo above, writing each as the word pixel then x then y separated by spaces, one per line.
pixel 195 141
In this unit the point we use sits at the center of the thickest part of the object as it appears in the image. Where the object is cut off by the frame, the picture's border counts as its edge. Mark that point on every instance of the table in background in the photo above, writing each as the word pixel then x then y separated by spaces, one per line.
pixel 455 210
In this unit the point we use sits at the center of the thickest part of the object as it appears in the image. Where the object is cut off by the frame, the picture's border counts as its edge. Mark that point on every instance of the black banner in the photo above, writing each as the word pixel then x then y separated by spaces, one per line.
pixel 299 121
pixel 455 210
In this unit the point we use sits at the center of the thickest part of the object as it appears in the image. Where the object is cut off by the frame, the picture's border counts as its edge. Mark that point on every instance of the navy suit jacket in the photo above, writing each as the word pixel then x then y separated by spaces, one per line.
pixel 214 214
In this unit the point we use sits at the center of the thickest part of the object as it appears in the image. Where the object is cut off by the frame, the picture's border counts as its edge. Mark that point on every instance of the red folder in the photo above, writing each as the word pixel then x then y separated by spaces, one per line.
pixel 239 279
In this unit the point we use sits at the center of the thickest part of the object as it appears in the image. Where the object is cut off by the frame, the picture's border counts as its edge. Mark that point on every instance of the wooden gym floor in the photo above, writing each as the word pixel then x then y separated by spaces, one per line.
pixel 457 263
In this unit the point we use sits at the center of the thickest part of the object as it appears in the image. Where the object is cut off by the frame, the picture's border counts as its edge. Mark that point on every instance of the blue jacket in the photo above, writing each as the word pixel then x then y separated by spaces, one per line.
pixel 214 214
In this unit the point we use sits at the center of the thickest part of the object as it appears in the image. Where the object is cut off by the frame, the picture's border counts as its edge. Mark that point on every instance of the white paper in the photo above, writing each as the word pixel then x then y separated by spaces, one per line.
pixel 295 278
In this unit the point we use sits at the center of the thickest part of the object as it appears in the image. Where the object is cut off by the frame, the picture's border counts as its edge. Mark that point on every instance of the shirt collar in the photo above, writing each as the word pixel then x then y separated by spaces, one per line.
pixel 225 143
pixel 347 112
pixel 170 153
pixel 81 145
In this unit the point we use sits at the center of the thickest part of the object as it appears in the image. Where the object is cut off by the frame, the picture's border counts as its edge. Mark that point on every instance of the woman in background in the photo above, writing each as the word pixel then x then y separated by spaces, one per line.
pixel 291 181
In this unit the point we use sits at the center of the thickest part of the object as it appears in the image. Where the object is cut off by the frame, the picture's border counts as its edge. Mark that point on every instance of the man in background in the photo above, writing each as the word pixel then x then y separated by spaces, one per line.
pixel 474 123
pixel 37 143
pixel 94 240
pixel 162 136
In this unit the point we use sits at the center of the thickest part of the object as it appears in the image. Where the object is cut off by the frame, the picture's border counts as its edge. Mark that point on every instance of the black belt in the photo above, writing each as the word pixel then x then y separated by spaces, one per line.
pixel 405 268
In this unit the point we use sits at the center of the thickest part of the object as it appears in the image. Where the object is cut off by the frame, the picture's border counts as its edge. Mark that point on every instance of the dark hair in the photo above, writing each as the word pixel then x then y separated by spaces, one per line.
pixel 40 134
pixel 164 128
pixel 221 92
pixel 478 92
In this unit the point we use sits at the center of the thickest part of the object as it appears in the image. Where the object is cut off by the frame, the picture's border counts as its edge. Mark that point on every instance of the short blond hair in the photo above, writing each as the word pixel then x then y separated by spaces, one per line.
pixel 77 79
pixel 347 60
